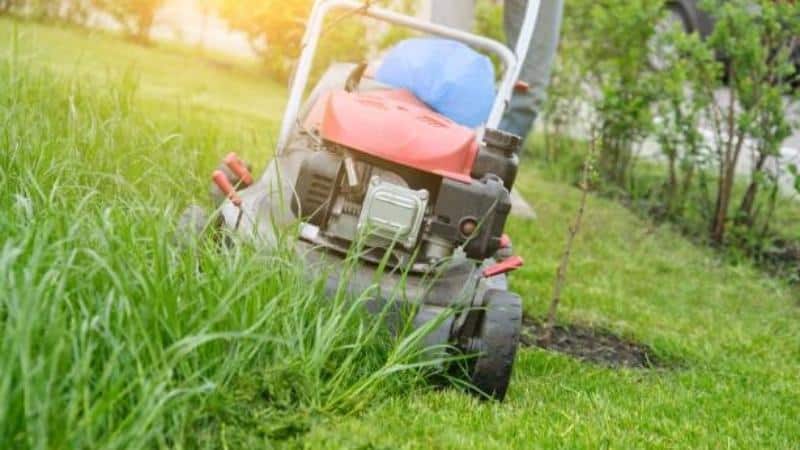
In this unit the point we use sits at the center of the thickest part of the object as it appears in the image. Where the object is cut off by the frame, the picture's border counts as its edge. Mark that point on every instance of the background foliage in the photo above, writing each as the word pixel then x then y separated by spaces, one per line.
pixel 135 16
pixel 275 29
pixel 709 107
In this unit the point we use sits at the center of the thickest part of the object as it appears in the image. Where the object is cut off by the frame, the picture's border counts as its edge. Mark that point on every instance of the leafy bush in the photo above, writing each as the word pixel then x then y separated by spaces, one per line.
pixel 275 29
pixel 489 23
pixel 73 11
pixel 36 9
pixel 616 77
pixel 135 16
pixel 605 70
pixel 757 43
pixel 7 6
pixel 489 20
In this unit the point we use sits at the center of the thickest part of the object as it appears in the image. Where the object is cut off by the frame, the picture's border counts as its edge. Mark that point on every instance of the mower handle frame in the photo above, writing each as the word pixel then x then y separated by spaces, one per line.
pixel 512 61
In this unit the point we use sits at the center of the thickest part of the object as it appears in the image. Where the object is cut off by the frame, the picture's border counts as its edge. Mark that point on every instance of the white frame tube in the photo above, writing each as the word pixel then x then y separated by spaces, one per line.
pixel 512 62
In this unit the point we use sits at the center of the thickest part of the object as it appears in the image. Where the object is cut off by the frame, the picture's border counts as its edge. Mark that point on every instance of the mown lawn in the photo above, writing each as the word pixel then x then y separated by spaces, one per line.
pixel 111 338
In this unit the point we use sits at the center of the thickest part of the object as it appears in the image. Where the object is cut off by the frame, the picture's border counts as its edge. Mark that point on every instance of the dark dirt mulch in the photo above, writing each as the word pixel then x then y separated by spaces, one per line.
pixel 597 346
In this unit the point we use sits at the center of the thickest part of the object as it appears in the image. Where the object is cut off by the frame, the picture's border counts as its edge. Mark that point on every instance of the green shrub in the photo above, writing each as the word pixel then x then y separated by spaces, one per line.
pixel 757 43
pixel 134 16
pixel 275 29
pixel 72 11
pixel 35 9
pixel 605 70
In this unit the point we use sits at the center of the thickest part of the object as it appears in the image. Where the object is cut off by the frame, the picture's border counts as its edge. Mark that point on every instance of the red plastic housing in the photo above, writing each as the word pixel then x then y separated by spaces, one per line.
pixel 394 126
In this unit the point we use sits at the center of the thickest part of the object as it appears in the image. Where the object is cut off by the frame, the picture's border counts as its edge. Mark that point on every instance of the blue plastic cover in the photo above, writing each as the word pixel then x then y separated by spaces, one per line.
pixel 448 76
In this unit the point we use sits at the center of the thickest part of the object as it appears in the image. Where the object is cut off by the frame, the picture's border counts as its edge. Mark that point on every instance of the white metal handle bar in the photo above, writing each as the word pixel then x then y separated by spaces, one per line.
pixel 512 62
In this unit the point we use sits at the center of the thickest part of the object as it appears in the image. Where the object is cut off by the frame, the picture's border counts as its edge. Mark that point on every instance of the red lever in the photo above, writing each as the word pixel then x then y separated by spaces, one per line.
pixel 224 185
pixel 522 87
pixel 505 266
pixel 237 167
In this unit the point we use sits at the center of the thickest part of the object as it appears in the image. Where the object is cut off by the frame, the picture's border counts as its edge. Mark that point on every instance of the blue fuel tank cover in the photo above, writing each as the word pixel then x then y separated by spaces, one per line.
pixel 450 77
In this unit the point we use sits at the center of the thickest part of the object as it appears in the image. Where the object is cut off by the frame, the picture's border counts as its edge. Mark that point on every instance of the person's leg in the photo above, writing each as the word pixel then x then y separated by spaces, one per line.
pixel 458 14
pixel 537 64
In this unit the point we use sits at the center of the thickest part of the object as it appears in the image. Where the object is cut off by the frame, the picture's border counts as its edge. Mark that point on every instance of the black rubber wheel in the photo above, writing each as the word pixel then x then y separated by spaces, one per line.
pixel 498 340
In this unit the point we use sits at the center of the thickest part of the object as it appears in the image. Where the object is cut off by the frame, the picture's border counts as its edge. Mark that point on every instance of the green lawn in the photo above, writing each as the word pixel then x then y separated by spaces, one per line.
pixel 222 87
pixel 110 338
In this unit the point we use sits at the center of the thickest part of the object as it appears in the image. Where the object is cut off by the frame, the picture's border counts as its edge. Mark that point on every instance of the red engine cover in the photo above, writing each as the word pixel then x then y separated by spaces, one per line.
pixel 394 126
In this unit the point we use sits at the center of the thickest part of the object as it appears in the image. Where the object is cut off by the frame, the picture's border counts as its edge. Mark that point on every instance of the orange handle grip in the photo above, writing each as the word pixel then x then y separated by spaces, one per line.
pixel 237 167
pixel 522 87
pixel 508 265
pixel 224 185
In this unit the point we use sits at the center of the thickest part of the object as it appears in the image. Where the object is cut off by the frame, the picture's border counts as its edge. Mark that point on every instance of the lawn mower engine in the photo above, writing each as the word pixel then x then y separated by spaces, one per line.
pixel 410 183
pixel 419 196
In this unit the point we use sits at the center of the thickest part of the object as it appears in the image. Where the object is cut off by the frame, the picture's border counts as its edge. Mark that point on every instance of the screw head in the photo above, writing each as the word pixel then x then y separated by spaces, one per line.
pixel 468 226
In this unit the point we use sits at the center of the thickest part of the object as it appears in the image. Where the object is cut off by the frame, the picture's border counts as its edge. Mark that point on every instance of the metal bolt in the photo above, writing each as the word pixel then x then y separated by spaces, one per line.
pixel 468 227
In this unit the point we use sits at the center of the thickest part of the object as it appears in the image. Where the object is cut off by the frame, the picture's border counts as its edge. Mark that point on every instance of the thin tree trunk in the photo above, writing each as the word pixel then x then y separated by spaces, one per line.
pixel 726 191
pixel 574 229
pixel 672 183
pixel 727 168
pixel 773 201
pixel 686 184
pixel 143 26
pixel 745 213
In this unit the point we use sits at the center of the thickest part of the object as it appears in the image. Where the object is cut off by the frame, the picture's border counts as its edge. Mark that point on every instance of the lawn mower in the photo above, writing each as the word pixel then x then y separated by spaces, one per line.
pixel 426 198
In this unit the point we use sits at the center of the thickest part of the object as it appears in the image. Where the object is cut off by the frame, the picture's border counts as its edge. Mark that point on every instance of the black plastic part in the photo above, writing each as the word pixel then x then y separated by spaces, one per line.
pixel 485 202
pixel 315 186
pixel 497 340
pixel 355 77
pixel 498 155
pixel 509 143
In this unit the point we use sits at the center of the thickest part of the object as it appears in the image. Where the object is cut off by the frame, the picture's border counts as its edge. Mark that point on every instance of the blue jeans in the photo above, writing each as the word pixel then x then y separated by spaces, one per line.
pixel 538 63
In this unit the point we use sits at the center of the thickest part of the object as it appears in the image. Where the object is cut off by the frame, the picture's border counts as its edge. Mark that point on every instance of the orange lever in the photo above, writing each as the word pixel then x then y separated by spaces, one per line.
pixel 224 185
pixel 237 167
pixel 522 87
pixel 505 266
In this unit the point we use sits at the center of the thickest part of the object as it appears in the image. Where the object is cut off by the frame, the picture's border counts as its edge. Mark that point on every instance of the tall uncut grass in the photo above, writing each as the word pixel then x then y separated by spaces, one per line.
pixel 110 336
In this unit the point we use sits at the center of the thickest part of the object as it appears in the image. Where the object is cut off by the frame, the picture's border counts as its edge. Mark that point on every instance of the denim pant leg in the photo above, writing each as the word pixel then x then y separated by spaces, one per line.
pixel 537 64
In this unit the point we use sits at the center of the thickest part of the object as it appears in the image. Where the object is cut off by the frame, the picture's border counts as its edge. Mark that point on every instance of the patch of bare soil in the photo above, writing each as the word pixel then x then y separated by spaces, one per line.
pixel 597 346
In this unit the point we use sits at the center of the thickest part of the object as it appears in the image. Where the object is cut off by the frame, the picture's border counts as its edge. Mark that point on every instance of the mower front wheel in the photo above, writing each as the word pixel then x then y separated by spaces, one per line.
pixel 498 340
